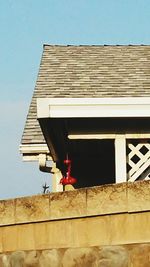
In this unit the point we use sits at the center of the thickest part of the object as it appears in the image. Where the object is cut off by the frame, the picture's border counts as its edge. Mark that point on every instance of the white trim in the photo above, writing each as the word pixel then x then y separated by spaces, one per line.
pixel 107 136
pixel 56 176
pixel 35 148
pixel 43 107
pixel 35 157
pixel 120 159
pixel 93 107
pixel 31 152
pixel 30 157
pixel 43 166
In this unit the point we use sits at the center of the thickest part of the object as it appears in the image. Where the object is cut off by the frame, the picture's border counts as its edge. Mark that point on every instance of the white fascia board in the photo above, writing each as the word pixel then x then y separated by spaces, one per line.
pixel 32 152
pixel 93 107
pixel 34 149
pixel 34 157
pixel 42 107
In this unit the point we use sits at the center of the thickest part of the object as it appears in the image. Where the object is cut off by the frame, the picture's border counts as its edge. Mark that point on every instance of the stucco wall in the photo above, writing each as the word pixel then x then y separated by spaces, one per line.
pixel 92 224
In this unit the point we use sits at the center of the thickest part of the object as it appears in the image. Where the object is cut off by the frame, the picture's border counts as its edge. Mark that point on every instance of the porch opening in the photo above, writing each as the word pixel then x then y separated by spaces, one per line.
pixel 93 162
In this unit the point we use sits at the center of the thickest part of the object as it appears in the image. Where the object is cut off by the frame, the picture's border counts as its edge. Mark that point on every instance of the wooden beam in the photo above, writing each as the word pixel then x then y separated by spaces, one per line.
pixel 107 136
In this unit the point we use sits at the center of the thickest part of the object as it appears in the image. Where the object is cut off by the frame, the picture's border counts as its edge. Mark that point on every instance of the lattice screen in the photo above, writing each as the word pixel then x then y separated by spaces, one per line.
pixel 138 159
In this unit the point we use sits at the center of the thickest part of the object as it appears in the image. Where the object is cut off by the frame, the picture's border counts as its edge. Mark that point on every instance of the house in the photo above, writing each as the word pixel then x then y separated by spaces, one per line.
pixel 91 104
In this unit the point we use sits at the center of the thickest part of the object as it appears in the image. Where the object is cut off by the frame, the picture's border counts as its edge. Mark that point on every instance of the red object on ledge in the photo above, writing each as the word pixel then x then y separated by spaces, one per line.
pixel 68 179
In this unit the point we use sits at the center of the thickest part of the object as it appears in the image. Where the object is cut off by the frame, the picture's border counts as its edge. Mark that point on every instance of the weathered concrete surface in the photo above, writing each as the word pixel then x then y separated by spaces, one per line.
pixel 115 229
pixel 73 201
pixel 7 211
pixel 138 196
pixel 29 209
pixel 100 200
pixel 105 215
pixel 100 256
pixel 107 199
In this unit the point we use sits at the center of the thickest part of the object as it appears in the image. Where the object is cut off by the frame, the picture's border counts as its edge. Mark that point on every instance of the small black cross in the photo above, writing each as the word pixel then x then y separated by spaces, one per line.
pixel 45 187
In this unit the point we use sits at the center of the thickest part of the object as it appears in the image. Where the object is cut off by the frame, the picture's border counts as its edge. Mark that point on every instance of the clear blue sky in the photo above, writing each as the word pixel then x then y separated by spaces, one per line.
pixel 24 27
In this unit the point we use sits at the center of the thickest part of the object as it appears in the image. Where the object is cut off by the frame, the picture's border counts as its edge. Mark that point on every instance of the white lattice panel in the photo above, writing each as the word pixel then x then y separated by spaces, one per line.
pixel 138 160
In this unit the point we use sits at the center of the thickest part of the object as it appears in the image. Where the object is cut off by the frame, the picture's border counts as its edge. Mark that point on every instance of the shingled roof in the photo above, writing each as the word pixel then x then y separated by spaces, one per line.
pixel 88 71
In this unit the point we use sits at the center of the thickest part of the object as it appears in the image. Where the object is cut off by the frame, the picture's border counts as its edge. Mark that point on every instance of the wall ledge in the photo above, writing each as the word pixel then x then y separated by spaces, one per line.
pixel 86 202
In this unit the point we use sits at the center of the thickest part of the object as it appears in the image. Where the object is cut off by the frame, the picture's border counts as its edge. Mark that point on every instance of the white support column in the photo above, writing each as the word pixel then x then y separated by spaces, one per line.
pixel 120 159
pixel 56 176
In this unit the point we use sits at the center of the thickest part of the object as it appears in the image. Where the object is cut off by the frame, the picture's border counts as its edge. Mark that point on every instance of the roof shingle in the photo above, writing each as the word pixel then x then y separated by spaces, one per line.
pixel 88 71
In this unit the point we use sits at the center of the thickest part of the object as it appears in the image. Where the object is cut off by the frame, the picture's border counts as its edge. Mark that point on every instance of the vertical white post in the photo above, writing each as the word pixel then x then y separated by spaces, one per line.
pixel 57 175
pixel 120 159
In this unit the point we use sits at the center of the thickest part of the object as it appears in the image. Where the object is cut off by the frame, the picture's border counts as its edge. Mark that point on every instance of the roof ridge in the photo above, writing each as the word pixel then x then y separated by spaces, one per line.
pixel 93 45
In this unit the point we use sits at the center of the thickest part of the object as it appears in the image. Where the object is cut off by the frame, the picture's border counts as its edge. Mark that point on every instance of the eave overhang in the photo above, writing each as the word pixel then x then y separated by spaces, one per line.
pixel 61 117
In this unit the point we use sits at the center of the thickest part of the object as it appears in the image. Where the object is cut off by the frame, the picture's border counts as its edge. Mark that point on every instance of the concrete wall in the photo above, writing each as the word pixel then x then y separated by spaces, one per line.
pixel 111 220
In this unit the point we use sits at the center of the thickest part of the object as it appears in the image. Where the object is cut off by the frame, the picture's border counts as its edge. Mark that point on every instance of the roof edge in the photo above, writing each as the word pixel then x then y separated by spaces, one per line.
pixel 30 152
pixel 92 45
